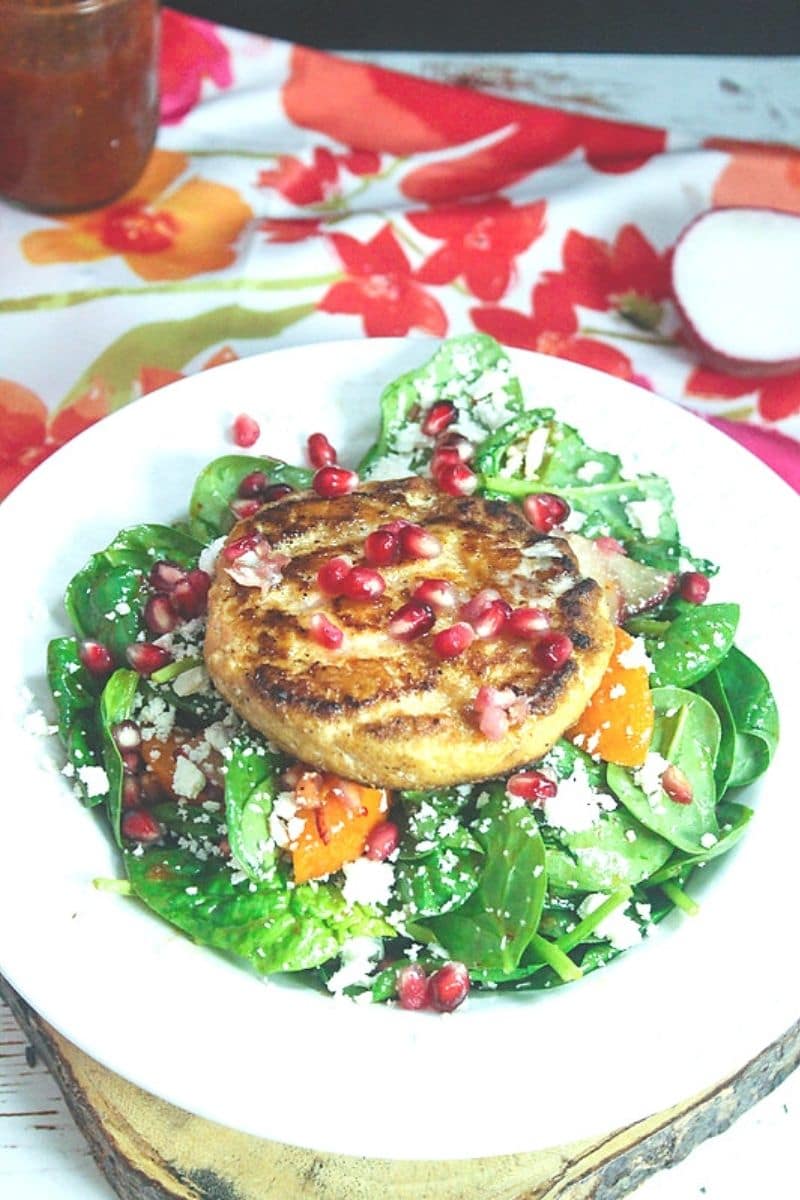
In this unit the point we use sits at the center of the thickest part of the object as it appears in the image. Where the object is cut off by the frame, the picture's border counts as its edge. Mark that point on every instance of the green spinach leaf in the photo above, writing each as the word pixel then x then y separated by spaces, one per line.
pixel 76 695
pixel 217 486
pixel 618 850
pixel 693 644
pixel 116 704
pixel 250 789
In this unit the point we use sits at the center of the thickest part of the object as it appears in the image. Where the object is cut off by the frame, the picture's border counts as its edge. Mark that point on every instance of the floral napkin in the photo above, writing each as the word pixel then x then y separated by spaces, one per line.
pixel 295 196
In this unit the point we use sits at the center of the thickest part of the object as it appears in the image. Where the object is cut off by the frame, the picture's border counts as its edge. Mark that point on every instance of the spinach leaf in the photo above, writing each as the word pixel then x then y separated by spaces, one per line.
pixel 116 704
pixel 618 850
pixel 428 818
pixel 711 689
pixel 473 372
pixel 272 925
pixel 217 486
pixel 76 694
pixel 733 819
pixel 250 788
pixel 754 714
pixel 693 644
pixel 563 452
pixel 493 927
pixel 440 881
pixel 687 734
pixel 106 598
pixel 191 820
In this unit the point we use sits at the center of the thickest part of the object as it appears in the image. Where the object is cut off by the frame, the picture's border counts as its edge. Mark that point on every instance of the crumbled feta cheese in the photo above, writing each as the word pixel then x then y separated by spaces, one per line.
pixel 187 780
pixel 635 656
pixel 95 780
pixel 367 881
pixel 646 516
pixel 576 806
pixel 617 928
pixel 156 719
pixel 589 471
pixel 616 691
pixel 209 555
pixel 648 777
pixel 708 840
pixel 392 466
pixel 534 450
pixel 357 959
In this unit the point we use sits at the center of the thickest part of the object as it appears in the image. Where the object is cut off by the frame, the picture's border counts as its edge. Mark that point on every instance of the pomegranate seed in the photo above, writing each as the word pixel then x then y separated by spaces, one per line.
pixel 224 847
pixel 164 575
pixel 411 621
pixel 330 482
pixel 382 841
pixel 240 546
pixel 450 642
pixel 127 735
pixel 457 480
pixel 382 548
pixel 139 825
pixel 159 615
pixel 320 452
pixel 416 542
pixel 438 417
pixel 151 790
pixel 395 526
pixel 146 657
pixel 253 486
pixel 131 762
pixel 325 633
pixel 551 650
pixel 96 658
pixel 492 697
pixel 246 431
pixel 528 623
pixel 609 545
pixel 276 491
pixel 412 987
pixel 694 587
pixel 493 723
pixel 475 607
pixel 454 441
pixel 190 597
pixel 332 575
pixel 131 792
pixel 492 620
pixel 532 786
pixel 200 581
pixel 439 593
pixel 362 583
pixel 448 987
pixel 676 785
pixel 242 509
pixel 545 511
pixel 444 456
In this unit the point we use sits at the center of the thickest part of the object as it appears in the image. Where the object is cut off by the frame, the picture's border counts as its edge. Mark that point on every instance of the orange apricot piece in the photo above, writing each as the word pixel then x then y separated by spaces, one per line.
pixel 617 723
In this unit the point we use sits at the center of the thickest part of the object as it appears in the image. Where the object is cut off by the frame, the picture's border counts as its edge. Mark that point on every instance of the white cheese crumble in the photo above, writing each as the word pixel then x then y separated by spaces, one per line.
pixel 708 840
pixel 190 682
pixel 648 778
pixel 635 656
pixel 576 806
pixel 187 780
pixel 209 555
pixel 94 779
pixel 589 471
pixel 367 882
pixel 618 928
pixel 646 516
pixel 391 466
pixel 357 959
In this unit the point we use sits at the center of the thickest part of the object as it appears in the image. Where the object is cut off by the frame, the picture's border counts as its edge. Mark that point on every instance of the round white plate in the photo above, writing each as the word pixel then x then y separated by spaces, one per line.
pixel 504 1073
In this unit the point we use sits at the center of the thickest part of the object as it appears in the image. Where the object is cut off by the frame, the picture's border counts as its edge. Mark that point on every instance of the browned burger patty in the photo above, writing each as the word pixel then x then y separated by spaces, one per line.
pixel 386 712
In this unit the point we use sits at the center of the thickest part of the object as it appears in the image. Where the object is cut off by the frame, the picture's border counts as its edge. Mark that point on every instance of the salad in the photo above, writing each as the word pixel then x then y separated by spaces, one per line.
pixel 522 882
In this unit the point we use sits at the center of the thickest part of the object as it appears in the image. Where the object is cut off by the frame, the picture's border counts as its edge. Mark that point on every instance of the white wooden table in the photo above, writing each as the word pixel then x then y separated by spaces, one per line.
pixel 42 1155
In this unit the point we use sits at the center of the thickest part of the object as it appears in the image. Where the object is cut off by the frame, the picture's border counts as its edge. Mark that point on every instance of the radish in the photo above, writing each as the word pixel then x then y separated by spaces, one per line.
pixel 735 275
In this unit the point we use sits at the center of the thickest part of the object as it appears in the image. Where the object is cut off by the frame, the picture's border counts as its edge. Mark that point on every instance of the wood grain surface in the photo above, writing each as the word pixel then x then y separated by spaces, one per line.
pixel 150 1150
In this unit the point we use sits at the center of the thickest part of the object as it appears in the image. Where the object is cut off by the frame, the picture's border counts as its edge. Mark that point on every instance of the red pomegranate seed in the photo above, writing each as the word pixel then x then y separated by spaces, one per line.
pixel 450 642
pixel 159 615
pixel 448 987
pixel 382 548
pixel 276 491
pixel 416 542
pixel 412 987
pixel 493 723
pixel 676 785
pixel 320 452
pixel 330 482
pixel 457 480
pixel 439 593
pixel 492 620
pixel 224 847
pixel 131 761
pixel 253 486
pixel 190 597
pixel 242 509
pixel 395 526
pixel 362 583
pixel 246 431
pixel 551 650
pixel 139 825
pixel 528 623
pixel 532 786
pixel 131 792
pixel 411 621
pixel 127 735
pixel 609 545
pixel 545 511
pixel 444 456
pixel 96 658
pixel 382 841
pixel 694 587
pixel 454 441
pixel 145 657
pixel 332 575
pixel 325 633
pixel 164 575
pixel 478 604
pixel 492 697
pixel 240 546
pixel 438 417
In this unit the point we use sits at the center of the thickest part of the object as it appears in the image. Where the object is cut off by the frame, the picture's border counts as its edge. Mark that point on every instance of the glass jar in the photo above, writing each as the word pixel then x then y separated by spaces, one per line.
pixel 78 99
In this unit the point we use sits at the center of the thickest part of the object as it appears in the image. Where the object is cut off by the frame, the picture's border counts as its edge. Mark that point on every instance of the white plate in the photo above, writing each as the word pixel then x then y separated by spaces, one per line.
pixel 505 1073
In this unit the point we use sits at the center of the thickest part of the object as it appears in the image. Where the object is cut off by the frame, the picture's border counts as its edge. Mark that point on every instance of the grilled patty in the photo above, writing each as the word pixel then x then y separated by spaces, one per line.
pixel 381 711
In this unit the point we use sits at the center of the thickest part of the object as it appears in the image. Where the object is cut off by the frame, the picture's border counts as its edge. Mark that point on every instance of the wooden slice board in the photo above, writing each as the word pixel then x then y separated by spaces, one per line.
pixel 150 1150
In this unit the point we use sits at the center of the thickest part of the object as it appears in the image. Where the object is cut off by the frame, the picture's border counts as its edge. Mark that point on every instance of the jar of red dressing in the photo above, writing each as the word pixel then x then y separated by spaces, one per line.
pixel 78 99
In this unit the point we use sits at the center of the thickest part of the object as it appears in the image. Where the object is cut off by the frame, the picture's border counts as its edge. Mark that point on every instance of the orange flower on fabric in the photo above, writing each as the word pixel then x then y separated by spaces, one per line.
pixel 28 435
pixel 162 231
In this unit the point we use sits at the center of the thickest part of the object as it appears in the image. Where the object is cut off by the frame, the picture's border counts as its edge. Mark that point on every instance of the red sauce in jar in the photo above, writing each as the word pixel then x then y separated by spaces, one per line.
pixel 78 99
